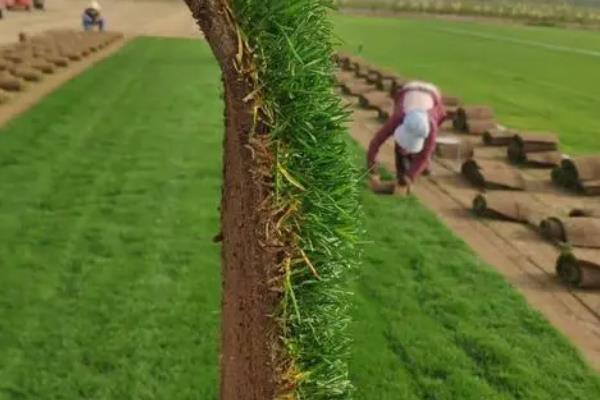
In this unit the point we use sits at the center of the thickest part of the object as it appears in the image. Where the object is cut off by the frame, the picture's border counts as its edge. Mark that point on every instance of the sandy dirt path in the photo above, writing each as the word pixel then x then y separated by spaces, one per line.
pixel 132 17
pixel 515 250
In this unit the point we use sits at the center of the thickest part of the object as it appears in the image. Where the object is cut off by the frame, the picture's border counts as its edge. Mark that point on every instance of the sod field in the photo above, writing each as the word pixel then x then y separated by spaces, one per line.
pixel 110 285
pixel 536 78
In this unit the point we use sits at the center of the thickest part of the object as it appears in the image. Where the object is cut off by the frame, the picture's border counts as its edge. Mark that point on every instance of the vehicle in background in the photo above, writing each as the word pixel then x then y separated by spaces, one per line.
pixel 19 5
pixel 2 8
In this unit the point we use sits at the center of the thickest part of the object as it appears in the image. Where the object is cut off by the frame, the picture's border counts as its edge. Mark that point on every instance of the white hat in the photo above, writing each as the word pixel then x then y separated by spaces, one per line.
pixel 94 5
pixel 411 134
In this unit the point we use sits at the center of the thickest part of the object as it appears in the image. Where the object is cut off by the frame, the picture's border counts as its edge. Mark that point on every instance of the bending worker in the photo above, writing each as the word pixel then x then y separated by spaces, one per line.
pixel 418 114
pixel 92 17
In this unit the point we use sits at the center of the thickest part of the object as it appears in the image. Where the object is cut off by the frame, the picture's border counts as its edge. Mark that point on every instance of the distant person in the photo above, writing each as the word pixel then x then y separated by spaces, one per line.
pixel 418 114
pixel 92 17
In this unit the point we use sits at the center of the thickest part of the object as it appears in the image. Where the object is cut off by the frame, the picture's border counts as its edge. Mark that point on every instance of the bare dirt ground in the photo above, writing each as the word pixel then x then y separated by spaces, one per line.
pixel 132 17
pixel 515 250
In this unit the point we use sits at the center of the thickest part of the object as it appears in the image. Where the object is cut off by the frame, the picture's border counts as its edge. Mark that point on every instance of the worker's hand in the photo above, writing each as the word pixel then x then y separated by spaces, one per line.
pixel 374 182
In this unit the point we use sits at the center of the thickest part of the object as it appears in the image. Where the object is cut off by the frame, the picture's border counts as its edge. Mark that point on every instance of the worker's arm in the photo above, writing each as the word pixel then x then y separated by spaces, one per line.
pixel 420 161
pixel 382 135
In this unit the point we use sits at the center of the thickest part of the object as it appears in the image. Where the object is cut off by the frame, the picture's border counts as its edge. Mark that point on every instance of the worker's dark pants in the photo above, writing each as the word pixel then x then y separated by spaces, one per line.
pixel 89 23
pixel 403 162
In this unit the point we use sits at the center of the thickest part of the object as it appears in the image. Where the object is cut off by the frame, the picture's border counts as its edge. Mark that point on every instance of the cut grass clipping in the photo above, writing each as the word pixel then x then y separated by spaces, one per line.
pixel 292 45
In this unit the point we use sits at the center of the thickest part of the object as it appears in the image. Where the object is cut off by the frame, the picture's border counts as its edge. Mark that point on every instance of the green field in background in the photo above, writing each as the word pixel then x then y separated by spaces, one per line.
pixel 537 79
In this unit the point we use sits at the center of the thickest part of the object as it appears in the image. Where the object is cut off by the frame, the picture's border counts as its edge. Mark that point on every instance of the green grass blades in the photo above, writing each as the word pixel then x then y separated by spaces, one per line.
pixel 431 321
pixel 292 42
pixel 537 79
pixel 542 12
pixel 109 282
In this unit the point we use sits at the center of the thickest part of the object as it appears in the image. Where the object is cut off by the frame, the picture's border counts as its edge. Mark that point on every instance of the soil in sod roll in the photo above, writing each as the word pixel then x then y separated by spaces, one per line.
pixel 453 148
pixel 478 116
pixel 387 83
pixel 376 100
pixel 26 73
pixel 579 268
pixel 10 83
pixel 581 174
pixel 501 206
pixel 357 88
pixel 590 212
pixel 344 76
pixel 586 168
pixel 397 84
pixel 578 232
pixel 498 136
pixel 492 175
pixel 521 145
pixel 386 187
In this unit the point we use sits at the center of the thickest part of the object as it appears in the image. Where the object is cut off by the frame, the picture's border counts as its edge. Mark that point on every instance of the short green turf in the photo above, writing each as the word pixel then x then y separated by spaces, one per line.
pixel 109 282
pixel 537 78
pixel 432 321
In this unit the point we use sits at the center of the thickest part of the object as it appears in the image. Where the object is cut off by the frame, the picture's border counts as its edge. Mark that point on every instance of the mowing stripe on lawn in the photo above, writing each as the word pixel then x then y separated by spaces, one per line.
pixel 109 282
pixel 531 43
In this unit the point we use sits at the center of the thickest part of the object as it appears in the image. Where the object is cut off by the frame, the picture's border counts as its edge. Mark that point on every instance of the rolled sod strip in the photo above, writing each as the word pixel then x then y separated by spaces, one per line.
pixel 387 83
pixel 383 187
pixel 357 88
pixel 467 114
pixel 522 144
pixel 581 174
pixel 10 84
pixel 480 126
pixel 554 230
pixel 498 136
pixel 451 101
pixel 397 84
pixel 486 174
pixel 579 268
pixel 586 168
pixel 591 188
pixel 577 232
pixel 342 77
pixel 501 206
pixel 376 100
pixel 454 148
pixel 588 212
pixel 26 73
pixel 546 159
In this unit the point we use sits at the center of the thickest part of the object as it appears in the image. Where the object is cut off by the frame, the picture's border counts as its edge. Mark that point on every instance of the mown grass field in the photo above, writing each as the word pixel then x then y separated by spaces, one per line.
pixel 109 282
pixel 538 79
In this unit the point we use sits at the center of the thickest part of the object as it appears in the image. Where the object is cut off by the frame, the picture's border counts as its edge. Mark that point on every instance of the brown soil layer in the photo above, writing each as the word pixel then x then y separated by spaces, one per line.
pixel 250 357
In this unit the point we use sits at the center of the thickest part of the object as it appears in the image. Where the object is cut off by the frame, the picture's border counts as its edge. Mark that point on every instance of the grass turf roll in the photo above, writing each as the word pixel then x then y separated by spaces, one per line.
pixel 492 175
pixel 579 268
pixel 498 136
pixel 500 206
pixel 578 232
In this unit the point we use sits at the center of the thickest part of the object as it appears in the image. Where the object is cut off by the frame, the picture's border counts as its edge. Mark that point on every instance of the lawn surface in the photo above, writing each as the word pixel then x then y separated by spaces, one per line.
pixel 109 283
pixel 538 79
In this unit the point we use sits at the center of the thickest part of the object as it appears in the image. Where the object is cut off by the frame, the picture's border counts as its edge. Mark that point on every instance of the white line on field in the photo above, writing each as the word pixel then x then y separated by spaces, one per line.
pixel 532 43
